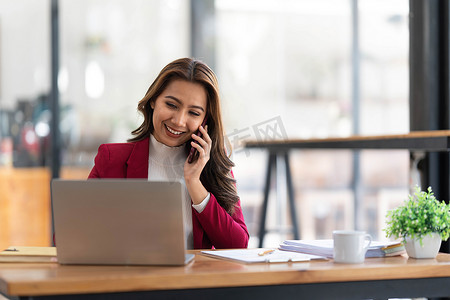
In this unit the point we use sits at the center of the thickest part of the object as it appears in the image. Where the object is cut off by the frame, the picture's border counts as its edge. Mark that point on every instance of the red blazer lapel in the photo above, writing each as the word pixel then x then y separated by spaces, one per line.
pixel 197 232
pixel 138 160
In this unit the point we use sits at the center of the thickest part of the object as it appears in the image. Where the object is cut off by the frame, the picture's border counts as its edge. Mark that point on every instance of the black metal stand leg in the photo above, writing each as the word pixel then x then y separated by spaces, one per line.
pixel 262 221
pixel 291 197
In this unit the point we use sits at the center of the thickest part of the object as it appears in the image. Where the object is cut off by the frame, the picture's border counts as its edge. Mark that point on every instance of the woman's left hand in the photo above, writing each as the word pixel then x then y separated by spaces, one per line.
pixel 193 170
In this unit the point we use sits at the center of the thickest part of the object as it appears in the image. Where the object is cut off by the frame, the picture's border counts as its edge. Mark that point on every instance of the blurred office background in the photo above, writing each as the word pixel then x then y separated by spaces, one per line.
pixel 316 68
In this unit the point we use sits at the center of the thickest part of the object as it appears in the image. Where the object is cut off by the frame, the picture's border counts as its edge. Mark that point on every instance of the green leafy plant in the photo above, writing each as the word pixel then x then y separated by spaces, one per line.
pixel 422 214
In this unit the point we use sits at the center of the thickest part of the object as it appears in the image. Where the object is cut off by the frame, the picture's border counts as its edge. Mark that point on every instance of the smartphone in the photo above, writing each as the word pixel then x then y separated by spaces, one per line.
pixel 193 152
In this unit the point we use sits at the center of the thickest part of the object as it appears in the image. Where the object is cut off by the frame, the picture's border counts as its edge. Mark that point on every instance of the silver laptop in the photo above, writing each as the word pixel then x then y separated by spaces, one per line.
pixel 124 222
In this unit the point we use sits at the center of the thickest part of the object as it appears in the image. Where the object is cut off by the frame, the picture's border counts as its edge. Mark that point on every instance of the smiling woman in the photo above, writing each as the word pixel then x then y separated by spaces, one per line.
pixel 183 95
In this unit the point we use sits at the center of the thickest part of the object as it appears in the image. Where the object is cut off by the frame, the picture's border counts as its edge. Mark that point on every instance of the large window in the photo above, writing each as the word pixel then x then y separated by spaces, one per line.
pixel 289 62
pixel 110 53
pixel 292 61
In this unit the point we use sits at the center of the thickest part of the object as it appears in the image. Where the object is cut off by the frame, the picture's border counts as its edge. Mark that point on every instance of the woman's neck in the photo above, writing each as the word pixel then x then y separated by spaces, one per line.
pixel 163 154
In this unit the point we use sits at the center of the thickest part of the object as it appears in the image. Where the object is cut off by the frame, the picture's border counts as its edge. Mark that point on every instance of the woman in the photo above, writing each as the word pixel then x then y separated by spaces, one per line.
pixel 182 97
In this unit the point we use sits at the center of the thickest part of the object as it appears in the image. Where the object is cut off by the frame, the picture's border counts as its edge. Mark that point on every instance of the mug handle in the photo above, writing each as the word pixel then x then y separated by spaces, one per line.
pixel 368 238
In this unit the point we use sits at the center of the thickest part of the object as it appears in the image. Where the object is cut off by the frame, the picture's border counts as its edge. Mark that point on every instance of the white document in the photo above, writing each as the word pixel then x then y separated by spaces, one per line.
pixel 254 255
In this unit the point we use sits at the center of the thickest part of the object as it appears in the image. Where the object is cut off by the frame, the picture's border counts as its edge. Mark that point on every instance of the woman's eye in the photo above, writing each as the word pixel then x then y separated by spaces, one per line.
pixel 171 105
pixel 194 113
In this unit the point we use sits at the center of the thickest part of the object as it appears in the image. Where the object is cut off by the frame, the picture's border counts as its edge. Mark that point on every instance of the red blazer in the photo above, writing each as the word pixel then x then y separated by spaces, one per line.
pixel 213 227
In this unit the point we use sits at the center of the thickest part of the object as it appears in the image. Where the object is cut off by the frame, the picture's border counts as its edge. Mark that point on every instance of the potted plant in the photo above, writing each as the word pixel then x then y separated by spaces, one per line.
pixel 422 222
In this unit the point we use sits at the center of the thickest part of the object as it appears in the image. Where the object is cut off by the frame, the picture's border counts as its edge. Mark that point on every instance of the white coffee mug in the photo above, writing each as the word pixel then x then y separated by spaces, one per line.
pixel 350 246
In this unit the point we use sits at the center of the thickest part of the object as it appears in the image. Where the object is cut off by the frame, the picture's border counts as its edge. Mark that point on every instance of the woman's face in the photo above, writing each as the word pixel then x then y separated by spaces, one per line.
pixel 178 112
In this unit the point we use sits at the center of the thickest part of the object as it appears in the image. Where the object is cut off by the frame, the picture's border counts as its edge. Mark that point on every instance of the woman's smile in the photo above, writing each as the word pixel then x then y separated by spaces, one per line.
pixel 173 132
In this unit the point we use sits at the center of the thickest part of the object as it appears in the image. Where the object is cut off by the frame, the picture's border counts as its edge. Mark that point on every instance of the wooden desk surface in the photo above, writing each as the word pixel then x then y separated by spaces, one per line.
pixel 436 140
pixel 205 272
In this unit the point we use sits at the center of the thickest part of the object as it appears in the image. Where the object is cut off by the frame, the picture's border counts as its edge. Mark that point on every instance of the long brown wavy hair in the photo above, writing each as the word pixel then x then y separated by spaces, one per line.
pixel 216 175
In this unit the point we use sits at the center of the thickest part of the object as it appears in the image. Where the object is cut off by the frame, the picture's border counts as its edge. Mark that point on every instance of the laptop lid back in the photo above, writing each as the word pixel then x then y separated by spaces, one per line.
pixel 113 221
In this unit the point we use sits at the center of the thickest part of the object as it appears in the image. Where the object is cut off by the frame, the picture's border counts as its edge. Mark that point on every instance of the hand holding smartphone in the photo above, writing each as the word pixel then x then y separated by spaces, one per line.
pixel 193 152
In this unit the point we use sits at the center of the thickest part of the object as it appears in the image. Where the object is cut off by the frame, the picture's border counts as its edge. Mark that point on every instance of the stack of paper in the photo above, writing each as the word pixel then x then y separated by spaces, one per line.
pixel 325 248
pixel 28 254
pixel 393 250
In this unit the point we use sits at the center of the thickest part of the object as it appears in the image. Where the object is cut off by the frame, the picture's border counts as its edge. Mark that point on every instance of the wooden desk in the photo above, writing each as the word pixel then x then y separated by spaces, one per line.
pixel 209 278
pixel 436 140
pixel 418 142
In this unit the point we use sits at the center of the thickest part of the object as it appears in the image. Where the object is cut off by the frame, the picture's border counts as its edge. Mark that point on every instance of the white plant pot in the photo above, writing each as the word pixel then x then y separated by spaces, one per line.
pixel 429 248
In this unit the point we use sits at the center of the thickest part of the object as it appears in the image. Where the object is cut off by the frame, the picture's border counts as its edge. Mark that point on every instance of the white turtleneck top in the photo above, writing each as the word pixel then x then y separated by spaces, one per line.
pixel 167 163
